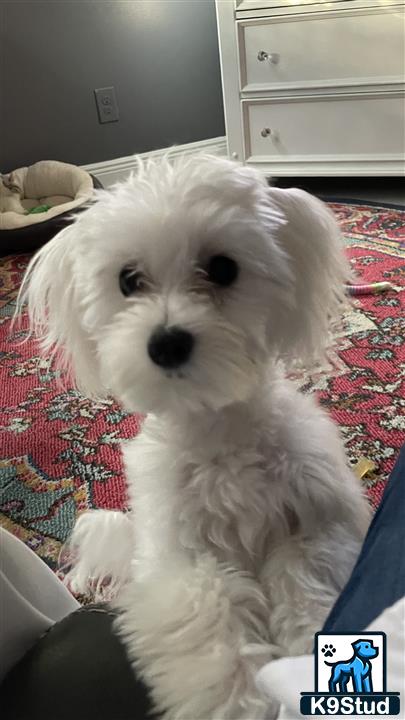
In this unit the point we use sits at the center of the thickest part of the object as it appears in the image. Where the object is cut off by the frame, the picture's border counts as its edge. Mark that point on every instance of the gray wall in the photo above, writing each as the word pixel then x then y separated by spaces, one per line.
pixel 160 55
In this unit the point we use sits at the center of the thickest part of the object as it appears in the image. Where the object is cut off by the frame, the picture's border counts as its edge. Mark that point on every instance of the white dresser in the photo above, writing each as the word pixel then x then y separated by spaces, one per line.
pixel 314 88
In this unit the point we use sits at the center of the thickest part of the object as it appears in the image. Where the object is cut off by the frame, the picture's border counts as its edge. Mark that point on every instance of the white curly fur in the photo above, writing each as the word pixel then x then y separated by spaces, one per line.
pixel 246 520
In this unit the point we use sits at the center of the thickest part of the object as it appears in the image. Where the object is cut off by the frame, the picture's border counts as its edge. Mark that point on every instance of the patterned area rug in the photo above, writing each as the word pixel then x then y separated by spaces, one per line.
pixel 59 452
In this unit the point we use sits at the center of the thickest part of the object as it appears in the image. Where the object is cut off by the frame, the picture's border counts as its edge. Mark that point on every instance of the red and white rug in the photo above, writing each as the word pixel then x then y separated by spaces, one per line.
pixel 59 452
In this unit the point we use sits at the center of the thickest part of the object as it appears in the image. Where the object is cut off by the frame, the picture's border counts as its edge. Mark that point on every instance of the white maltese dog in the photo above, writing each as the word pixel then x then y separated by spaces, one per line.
pixel 184 292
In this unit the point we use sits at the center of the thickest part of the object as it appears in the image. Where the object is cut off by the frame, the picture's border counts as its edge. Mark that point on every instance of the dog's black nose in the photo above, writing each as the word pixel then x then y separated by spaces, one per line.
pixel 170 347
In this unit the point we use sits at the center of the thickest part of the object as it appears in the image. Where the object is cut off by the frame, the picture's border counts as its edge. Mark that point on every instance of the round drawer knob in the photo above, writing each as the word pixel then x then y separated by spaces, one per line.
pixel 265 132
pixel 273 58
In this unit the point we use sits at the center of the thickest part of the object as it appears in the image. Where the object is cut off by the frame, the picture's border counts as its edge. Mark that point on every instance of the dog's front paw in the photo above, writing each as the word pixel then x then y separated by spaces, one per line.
pixel 96 559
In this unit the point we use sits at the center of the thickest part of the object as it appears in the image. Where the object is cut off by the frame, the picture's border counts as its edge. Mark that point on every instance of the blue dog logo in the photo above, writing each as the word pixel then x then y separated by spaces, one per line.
pixel 350 687
pixel 358 669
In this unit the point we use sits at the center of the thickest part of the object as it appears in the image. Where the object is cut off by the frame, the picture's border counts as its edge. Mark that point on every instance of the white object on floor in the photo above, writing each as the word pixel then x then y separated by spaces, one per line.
pixel 32 599
pixel 285 679
pixel 62 186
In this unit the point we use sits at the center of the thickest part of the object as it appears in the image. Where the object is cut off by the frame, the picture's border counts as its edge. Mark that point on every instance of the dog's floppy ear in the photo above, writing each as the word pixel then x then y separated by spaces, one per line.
pixel 311 240
pixel 55 314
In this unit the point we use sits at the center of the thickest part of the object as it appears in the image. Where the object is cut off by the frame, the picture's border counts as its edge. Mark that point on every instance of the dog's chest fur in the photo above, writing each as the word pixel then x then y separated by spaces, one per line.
pixel 217 487
pixel 224 507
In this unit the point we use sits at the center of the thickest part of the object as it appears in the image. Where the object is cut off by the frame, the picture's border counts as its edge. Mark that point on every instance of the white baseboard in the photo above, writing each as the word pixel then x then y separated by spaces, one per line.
pixel 111 171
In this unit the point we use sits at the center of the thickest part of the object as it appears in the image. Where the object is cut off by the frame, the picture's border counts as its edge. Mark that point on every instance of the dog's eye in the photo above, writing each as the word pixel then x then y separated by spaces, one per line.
pixel 130 281
pixel 222 270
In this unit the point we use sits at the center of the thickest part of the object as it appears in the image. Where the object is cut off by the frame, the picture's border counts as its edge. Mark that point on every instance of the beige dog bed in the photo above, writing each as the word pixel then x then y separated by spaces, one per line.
pixel 62 187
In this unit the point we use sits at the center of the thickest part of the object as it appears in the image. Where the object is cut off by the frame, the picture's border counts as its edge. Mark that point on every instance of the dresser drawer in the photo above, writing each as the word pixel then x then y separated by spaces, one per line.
pixel 352 127
pixel 248 6
pixel 330 49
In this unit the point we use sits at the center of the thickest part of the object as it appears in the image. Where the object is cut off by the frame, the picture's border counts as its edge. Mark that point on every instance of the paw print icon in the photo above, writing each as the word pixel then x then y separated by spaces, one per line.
pixel 328 651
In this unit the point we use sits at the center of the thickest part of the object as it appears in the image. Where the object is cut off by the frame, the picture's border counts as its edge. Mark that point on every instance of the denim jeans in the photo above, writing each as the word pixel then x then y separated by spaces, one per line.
pixel 378 579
